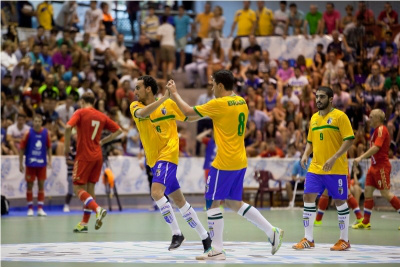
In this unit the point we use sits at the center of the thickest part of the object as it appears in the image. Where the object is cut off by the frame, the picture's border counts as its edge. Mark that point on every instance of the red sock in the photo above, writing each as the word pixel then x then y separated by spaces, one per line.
pixel 322 205
pixel 40 199
pixel 395 203
pixel 29 199
pixel 87 200
pixel 368 205
pixel 86 215
pixel 354 206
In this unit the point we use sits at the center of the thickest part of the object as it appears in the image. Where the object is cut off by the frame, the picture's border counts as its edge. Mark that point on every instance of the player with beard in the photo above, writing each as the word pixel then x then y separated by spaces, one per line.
pixel 329 137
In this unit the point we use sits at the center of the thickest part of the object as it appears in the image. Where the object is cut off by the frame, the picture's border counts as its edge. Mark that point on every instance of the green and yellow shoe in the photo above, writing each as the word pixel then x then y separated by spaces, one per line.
pixel 317 223
pixel 357 221
pixel 80 228
pixel 362 226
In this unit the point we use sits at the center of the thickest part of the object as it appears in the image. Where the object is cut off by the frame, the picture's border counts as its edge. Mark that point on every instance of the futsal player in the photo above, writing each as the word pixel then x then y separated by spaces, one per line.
pixel 329 137
pixel 156 122
pixel 89 123
pixel 229 113
pixel 378 175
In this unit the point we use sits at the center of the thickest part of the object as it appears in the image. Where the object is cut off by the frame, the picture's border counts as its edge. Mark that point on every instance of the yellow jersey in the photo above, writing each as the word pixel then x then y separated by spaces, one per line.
pixel 45 15
pixel 158 132
pixel 264 25
pixel 326 134
pixel 229 115
pixel 204 20
pixel 245 20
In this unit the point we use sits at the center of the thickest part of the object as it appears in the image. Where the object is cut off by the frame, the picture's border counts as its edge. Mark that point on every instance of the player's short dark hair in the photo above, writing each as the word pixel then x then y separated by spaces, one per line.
pixel 330 3
pixel 37 115
pixel 149 81
pixel 292 5
pixel 225 77
pixel 327 90
pixel 88 97
pixel 40 27
pixel 21 115
pixel 283 2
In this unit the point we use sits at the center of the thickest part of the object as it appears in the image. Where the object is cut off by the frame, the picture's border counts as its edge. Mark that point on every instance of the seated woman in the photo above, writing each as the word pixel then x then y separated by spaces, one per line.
pixel 217 58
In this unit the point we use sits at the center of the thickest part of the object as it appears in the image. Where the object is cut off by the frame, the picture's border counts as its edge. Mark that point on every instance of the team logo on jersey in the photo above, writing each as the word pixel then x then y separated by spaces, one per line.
pixel 164 111
pixel 158 172
pixel 329 121
pixel 340 190
pixel 38 145
pixel 306 221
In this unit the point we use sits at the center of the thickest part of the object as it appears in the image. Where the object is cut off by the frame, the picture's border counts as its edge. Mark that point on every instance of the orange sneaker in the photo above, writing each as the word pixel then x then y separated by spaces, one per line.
pixel 341 245
pixel 304 243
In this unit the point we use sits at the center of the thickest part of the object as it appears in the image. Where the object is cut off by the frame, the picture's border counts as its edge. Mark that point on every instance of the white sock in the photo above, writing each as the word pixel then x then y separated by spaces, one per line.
pixel 216 226
pixel 309 214
pixel 168 213
pixel 255 217
pixel 191 218
pixel 344 217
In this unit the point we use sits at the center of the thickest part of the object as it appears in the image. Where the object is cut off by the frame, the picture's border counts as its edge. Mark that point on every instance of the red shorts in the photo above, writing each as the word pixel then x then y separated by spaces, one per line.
pixel 379 177
pixel 32 172
pixel 86 171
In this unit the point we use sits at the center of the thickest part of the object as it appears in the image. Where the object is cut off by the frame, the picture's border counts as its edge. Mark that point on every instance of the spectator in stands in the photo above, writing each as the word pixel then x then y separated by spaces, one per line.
pixel 149 28
pixel 388 40
pixel 341 78
pixel 166 35
pixel 66 38
pixel 132 7
pixel 38 72
pixel 356 112
pixel 246 21
pixel 290 97
pixel 133 141
pixel 296 17
pixel 45 15
pixel 388 16
pixel 22 69
pixel 125 92
pixel 10 110
pixel 371 49
pixel 68 16
pixel 259 117
pixel 8 58
pixel 140 47
pixel 265 20
pixel 62 58
pixel 368 14
pixel 22 50
pixel 5 86
pixel 201 55
pixel 312 22
pixel 11 35
pixel 236 48
pixel 108 20
pixel 253 48
pixel 393 124
pixel 35 54
pixel 252 94
pixel 40 37
pixel 65 111
pixel 216 59
pixel 392 97
pixel 167 13
pixel 389 60
pixel 93 18
pixel 341 99
pixel 281 19
pixel 182 22
pixel 298 81
pixel 117 47
pixel 25 13
pixel 5 150
pixel 331 18
pixel 266 63
pixel 349 18
pixel 125 64
pixel 15 133
pixel 202 21
pixel 238 71
pixel 49 85
pixel 331 68
pixel 394 78
pixel 286 72
pixel 374 86
pixel 359 144
pixel 217 23
pixel 272 98
pixel 100 46
pixel 272 151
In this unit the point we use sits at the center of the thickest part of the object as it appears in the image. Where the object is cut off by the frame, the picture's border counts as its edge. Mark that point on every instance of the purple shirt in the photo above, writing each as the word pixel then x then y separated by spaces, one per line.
pixel 58 59
pixel 285 74
pixel 392 62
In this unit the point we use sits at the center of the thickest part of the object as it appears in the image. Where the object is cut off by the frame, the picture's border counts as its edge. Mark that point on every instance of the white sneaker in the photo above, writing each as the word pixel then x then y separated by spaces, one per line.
pixel 41 212
pixel 66 208
pixel 276 242
pixel 30 212
pixel 212 255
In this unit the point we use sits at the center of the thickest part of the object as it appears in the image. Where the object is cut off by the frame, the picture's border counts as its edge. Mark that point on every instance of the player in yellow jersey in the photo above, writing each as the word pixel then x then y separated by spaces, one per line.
pixel 156 122
pixel 329 137
pixel 229 113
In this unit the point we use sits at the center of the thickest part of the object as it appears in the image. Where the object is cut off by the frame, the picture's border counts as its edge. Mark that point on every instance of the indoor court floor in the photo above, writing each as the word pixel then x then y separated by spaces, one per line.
pixel 141 238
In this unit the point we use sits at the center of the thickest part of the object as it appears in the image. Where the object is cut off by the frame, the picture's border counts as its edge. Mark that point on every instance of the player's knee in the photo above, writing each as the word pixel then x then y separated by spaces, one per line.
pixel 156 194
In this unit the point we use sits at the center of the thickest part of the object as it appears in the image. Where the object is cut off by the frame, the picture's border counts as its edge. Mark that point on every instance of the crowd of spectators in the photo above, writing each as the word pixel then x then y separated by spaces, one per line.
pixel 47 73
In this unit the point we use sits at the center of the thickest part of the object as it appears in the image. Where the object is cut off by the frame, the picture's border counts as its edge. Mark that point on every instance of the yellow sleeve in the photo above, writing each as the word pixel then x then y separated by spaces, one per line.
pixel 345 128
pixel 210 109
pixel 253 16
pixel 179 116
pixel 309 136
pixel 237 15
pixel 133 108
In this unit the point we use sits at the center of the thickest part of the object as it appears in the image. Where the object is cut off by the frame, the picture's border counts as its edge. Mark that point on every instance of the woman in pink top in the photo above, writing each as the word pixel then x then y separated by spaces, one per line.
pixel 285 73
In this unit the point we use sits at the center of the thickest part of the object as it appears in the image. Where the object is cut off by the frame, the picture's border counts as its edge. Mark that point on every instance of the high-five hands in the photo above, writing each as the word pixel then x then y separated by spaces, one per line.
pixel 171 87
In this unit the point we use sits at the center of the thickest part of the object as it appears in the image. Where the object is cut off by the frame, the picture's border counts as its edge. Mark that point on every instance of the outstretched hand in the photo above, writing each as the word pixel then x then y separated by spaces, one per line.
pixel 171 87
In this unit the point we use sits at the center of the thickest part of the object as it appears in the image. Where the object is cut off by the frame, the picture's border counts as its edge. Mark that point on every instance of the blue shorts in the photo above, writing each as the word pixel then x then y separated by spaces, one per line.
pixel 335 184
pixel 223 185
pixel 164 173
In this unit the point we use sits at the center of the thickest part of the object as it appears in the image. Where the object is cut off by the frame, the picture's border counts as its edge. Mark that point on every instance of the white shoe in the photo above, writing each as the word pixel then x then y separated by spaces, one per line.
pixel 276 242
pixel 212 255
pixel 66 208
pixel 41 212
pixel 30 212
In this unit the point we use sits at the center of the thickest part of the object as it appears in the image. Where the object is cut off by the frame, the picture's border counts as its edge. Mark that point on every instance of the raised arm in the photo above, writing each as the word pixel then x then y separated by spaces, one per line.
pixel 187 110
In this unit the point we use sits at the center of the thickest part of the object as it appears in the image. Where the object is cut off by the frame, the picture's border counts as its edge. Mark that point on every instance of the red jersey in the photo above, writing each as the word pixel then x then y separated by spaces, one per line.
pixel 381 139
pixel 90 123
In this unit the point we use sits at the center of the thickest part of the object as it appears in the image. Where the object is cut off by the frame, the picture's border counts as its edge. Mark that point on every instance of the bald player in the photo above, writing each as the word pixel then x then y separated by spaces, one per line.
pixel 378 176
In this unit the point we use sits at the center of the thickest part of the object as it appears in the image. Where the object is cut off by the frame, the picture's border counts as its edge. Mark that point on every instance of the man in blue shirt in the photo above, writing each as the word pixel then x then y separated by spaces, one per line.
pixel 182 23
pixel 298 173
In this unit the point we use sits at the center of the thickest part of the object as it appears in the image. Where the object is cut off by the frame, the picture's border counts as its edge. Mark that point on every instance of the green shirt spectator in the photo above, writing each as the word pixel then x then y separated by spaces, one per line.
pixel 313 19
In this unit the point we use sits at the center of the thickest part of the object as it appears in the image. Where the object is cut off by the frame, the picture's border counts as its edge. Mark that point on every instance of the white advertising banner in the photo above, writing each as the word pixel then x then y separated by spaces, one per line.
pixel 130 179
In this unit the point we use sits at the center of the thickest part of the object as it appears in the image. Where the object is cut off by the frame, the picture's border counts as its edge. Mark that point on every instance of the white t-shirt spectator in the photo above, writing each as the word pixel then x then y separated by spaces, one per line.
pixel 92 20
pixel 14 132
pixel 202 55
pixel 68 11
pixel 280 18
pixel 82 90
pixel 9 62
pixel 65 114
pixel 293 98
pixel 118 50
pixel 298 84
pixel 167 31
